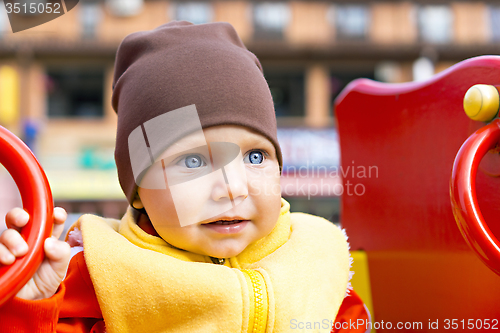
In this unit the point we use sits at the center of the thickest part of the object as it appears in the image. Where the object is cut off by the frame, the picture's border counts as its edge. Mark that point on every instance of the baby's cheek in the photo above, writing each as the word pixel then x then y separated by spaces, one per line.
pixel 267 199
pixel 181 237
pixel 263 187
pixel 265 182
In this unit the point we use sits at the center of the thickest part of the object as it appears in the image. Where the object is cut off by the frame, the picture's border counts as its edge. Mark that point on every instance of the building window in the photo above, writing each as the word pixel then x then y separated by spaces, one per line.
pixel 350 21
pixel 494 12
pixel 124 8
pixel 287 89
pixel 75 92
pixel 194 12
pixel 90 17
pixel 342 75
pixel 435 24
pixel 270 19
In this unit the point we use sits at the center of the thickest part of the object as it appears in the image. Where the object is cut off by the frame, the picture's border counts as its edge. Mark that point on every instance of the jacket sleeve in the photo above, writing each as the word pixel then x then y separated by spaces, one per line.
pixel 353 316
pixel 74 308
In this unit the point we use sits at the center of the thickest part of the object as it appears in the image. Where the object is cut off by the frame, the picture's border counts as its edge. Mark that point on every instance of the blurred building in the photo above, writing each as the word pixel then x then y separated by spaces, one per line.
pixel 55 79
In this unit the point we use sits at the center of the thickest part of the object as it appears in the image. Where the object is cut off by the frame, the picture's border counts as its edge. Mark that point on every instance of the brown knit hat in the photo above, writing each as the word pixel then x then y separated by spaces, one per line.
pixel 180 64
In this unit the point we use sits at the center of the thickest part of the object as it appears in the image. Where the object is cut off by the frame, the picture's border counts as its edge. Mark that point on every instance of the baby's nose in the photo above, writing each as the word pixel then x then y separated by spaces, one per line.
pixel 238 190
pixel 233 185
pixel 228 159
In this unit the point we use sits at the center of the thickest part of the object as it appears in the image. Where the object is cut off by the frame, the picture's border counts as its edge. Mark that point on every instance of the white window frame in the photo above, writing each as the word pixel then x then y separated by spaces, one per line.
pixel 426 18
pixel 191 6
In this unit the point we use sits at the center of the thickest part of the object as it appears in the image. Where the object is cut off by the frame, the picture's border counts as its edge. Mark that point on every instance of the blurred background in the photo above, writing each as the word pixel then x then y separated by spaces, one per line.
pixel 55 80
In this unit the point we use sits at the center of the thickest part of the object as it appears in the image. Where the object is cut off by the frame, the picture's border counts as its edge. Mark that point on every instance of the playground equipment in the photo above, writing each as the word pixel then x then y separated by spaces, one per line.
pixel 413 263
pixel 33 185
pixel 481 101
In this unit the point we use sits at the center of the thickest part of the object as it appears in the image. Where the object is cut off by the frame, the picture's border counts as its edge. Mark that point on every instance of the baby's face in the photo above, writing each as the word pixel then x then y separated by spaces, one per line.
pixel 248 195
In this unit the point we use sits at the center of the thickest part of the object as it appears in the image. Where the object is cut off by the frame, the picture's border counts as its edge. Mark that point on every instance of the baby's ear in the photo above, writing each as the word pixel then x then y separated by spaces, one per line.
pixel 137 203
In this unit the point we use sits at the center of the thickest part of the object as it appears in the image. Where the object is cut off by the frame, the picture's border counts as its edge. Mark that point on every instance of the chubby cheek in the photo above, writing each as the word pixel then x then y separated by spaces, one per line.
pixel 160 207
pixel 161 211
pixel 264 184
pixel 265 190
pixel 180 237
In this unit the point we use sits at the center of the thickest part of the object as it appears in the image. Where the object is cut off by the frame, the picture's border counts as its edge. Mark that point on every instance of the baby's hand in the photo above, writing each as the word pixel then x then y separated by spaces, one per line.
pixel 51 272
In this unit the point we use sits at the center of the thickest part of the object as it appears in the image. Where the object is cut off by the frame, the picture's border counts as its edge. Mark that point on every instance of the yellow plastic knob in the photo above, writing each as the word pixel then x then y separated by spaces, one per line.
pixel 481 102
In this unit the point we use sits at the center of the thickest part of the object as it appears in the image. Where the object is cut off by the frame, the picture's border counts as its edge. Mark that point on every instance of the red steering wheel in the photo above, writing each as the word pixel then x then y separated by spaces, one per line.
pixel 463 195
pixel 33 185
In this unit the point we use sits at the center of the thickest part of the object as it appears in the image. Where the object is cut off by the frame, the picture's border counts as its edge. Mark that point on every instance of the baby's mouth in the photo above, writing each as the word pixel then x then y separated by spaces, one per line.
pixel 227 225
pixel 225 222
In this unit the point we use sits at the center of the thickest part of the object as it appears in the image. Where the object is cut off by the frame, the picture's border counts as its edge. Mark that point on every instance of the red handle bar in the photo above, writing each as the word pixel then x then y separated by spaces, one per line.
pixel 33 185
pixel 463 195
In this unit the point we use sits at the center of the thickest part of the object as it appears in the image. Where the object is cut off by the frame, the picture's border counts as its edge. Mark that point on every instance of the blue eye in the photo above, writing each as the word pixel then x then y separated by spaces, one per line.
pixel 193 161
pixel 256 157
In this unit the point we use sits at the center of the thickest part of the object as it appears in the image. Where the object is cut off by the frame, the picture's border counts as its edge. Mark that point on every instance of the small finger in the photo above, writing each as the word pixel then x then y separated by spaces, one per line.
pixel 14 242
pixel 60 216
pixel 6 258
pixel 16 218
pixel 58 253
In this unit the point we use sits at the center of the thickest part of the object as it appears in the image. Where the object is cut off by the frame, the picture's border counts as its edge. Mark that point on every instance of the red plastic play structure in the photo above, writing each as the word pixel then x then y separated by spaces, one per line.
pixel 422 267
pixel 33 185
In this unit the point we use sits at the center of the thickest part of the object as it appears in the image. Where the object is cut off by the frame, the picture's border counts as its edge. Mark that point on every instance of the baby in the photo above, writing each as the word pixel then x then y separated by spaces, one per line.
pixel 207 244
